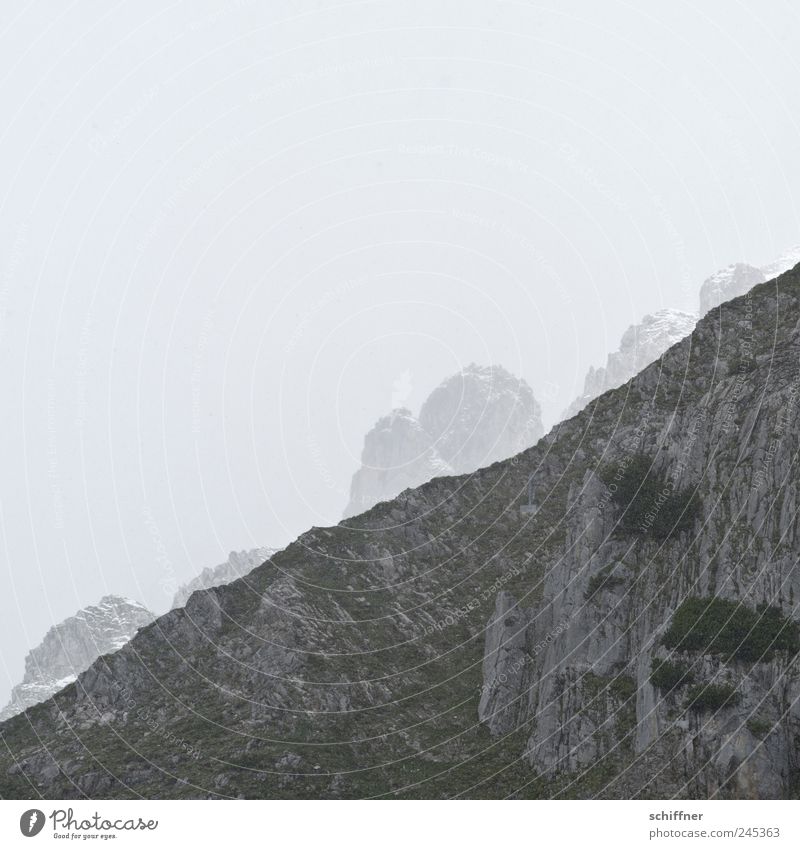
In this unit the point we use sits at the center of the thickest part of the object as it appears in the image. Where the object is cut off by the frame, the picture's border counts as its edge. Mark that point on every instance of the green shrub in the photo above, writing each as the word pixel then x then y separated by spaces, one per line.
pixel 668 675
pixel 703 697
pixel 759 727
pixel 623 687
pixel 731 629
pixel 648 501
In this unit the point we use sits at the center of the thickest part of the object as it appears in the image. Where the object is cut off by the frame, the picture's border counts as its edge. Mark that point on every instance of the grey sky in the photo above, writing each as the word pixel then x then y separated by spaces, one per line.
pixel 229 228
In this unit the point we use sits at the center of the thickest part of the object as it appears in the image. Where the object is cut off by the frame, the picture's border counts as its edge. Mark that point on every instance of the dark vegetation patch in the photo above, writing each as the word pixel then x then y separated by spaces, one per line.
pixel 732 630
pixel 648 501
pixel 669 675
pixel 759 727
pixel 709 697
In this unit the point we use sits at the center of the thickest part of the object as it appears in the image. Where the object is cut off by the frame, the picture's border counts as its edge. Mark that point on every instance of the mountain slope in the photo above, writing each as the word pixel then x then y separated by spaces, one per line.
pixel 443 644
pixel 72 646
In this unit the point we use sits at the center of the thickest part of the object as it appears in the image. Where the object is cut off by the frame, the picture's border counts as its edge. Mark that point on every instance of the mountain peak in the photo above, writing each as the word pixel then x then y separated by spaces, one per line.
pixel 472 418
pixel 728 283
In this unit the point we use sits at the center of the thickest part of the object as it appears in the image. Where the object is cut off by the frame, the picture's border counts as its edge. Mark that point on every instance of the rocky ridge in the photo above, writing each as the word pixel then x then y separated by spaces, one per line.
pixel 238 564
pixel 645 342
pixel 641 344
pixel 70 647
pixel 785 262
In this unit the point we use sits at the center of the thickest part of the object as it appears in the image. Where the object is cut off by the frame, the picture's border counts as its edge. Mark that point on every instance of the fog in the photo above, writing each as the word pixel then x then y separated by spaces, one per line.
pixel 231 230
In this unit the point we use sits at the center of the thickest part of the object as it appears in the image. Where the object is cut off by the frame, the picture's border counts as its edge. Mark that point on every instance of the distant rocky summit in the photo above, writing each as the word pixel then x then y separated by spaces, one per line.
pixel 644 343
pixel 641 344
pixel 736 279
pixel 729 283
pixel 239 563
pixel 481 415
pixel 474 418
pixel 72 646
pixel 398 453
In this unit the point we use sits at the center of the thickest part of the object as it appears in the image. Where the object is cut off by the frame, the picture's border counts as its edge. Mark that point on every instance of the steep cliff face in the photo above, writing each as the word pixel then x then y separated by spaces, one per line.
pixel 238 564
pixel 624 662
pixel 636 636
pixel 641 344
pixel 473 418
pixel 72 646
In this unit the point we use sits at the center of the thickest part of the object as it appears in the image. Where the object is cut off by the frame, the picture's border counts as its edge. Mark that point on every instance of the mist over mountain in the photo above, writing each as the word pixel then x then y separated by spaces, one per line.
pixel 641 344
pixel 480 415
pixel 645 342
pixel 473 418
pixel 398 453
pixel 228 227
pixel 783 263
pixel 636 636
pixel 239 563
pixel 727 283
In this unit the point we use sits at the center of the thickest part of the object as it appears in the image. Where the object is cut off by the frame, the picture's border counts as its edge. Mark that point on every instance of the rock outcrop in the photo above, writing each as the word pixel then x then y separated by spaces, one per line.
pixel 643 343
pixel 636 636
pixel 72 646
pixel 478 416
